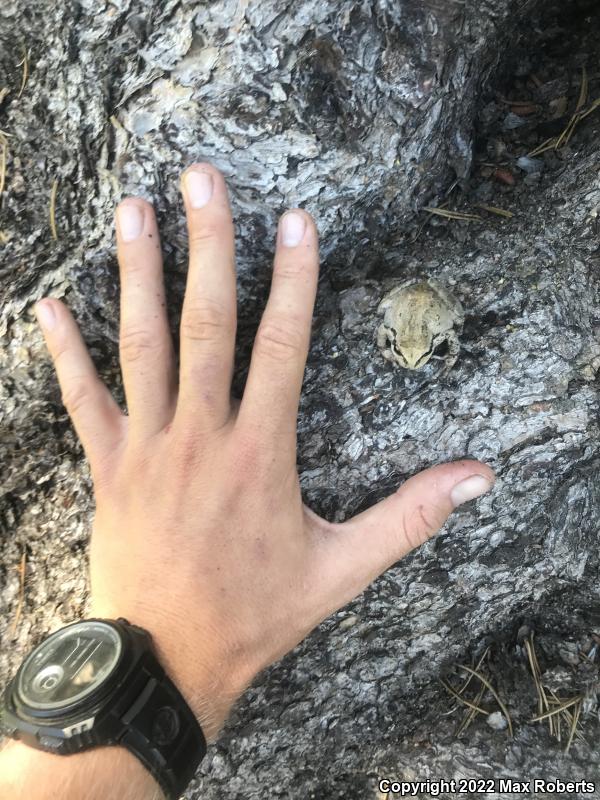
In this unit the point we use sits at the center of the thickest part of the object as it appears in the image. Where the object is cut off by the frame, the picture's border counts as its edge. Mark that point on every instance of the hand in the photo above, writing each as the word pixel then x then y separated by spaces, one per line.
pixel 200 534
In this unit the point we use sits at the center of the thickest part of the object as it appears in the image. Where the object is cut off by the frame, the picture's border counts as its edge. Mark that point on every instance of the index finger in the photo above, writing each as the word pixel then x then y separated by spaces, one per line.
pixel 279 354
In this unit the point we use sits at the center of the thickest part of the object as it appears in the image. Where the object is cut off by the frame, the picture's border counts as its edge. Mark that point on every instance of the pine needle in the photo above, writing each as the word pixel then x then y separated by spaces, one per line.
pixel 567 133
pixel 567 716
pixel 486 683
pixel 574 725
pixel 541 148
pixel 53 209
pixel 470 714
pixel 469 678
pixel 557 710
pixel 25 65
pixel 3 159
pixel 472 706
pixel 558 714
pixel 442 212
pixel 593 107
pixel 543 704
pixel 571 125
pixel 21 571
pixel 495 210
pixel 583 92
pixel 559 141
pixel 462 699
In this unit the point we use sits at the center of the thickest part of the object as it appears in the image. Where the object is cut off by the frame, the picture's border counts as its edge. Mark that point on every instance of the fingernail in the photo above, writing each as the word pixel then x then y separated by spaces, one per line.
pixel 45 315
pixel 199 187
pixel 131 221
pixel 468 489
pixel 293 227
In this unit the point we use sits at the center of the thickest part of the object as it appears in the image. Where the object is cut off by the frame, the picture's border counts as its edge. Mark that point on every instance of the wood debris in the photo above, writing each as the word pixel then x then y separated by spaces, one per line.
pixel 53 209
pixel 21 570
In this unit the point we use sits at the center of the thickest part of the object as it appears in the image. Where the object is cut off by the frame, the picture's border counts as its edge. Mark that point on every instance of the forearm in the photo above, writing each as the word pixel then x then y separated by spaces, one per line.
pixel 100 774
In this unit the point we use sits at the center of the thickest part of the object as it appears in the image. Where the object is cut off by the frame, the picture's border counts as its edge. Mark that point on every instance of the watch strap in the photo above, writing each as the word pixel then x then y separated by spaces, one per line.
pixel 161 730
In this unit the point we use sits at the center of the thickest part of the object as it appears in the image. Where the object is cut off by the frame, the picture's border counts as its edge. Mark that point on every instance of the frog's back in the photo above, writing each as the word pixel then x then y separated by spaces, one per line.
pixel 417 306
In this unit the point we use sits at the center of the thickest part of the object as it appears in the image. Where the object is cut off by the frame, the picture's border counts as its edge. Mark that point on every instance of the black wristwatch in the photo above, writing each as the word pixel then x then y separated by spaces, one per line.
pixel 98 682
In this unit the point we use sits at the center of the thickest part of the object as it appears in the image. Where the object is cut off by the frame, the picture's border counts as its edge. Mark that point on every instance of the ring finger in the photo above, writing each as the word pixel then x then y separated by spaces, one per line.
pixel 270 401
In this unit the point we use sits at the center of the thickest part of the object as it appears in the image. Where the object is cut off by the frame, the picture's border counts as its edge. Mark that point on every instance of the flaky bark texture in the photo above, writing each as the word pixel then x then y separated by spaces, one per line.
pixel 363 113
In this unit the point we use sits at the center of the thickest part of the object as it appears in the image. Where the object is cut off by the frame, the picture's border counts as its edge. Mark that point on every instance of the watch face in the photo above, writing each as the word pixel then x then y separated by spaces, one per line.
pixel 69 665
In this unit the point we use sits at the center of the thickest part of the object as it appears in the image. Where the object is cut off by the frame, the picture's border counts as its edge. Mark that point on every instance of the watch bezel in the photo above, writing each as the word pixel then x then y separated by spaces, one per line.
pixel 78 708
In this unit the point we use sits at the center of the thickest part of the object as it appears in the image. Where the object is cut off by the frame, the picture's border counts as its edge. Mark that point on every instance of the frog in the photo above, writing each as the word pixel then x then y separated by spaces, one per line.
pixel 420 316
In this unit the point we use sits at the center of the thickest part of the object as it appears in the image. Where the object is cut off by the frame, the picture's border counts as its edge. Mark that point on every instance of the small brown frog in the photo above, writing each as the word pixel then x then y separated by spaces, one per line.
pixel 420 315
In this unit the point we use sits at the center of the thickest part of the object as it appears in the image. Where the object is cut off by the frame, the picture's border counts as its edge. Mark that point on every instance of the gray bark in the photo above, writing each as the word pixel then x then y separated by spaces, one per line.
pixel 362 113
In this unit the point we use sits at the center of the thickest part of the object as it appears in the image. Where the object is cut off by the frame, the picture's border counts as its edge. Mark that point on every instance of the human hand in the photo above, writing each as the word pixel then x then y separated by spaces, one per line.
pixel 200 534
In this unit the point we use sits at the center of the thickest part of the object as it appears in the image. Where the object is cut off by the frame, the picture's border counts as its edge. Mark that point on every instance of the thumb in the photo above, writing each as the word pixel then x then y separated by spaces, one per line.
pixel 362 548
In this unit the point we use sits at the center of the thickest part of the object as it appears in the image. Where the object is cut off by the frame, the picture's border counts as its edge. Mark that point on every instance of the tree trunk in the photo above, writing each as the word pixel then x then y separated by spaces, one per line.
pixel 365 113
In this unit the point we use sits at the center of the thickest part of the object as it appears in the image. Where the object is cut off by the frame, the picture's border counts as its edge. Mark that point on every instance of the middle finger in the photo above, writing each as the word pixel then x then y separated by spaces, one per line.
pixel 208 320
pixel 147 359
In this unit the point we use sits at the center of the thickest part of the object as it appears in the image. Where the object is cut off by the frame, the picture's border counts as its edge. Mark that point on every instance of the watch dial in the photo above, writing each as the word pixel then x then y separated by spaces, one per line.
pixel 69 665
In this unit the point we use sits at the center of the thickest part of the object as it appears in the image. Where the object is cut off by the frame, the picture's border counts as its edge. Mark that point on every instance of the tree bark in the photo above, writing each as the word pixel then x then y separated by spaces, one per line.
pixel 363 113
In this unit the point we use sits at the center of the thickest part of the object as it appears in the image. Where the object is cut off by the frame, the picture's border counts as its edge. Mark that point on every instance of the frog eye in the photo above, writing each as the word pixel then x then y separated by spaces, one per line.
pixel 441 349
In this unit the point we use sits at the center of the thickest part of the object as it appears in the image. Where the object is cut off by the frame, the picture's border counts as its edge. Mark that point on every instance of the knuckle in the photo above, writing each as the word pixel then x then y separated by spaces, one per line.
pixel 291 268
pixel 279 341
pixel 207 232
pixel 134 268
pixel 418 526
pixel 248 457
pixel 186 455
pixel 205 322
pixel 76 395
pixel 136 343
pixel 59 352
pixel 202 234
pixel 104 475
pixel 424 524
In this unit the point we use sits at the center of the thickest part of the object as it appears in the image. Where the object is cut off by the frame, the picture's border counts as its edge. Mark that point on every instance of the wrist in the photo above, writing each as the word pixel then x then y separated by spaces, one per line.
pixel 209 684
